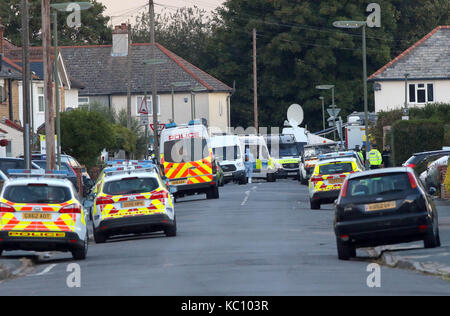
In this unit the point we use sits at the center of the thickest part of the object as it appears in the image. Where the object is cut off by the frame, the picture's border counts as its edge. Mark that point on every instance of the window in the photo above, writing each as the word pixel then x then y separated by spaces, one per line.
pixel 83 101
pixel 421 93
pixel 41 99
pixel 149 104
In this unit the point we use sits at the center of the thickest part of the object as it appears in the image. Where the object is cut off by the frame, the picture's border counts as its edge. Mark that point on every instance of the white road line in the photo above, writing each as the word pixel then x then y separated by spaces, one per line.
pixel 45 271
pixel 247 195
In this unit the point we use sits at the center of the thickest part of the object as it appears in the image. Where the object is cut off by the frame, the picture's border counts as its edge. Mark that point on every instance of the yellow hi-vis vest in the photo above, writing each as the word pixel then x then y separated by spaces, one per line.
pixel 375 158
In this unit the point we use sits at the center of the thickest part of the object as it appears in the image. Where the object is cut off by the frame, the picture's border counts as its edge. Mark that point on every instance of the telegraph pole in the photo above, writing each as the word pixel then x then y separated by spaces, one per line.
pixel 129 79
pixel 255 82
pixel 154 92
pixel 48 89
pixel 26 84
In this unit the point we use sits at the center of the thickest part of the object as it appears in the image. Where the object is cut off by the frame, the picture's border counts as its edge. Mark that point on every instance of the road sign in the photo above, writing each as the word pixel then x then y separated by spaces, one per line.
pixel 333 112
pixel 160 127
pixel 143 109
pixel 144 120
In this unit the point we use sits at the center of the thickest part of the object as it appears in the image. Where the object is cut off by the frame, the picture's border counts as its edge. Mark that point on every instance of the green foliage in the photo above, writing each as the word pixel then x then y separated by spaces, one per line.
pixel 414 136
pixel 94 28
pixel 123 139
pixel 85 134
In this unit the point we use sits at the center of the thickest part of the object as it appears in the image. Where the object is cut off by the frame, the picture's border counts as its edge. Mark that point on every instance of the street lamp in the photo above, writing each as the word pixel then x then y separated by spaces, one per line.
pixel 328 87
pixel 357 25
pixel 62 7
pixel 172 86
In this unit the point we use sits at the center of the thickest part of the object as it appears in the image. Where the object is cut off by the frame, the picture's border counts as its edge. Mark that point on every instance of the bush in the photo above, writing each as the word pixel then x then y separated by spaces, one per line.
pixel 409 137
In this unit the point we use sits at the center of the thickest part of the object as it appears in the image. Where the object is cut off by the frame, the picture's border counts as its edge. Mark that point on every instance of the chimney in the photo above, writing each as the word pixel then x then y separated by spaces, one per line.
pixel 2 30
pixel 120 40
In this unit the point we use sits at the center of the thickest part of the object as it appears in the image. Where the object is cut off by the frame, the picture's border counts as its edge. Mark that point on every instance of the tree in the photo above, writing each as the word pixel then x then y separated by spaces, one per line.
pixel 94 28
pixel 84 134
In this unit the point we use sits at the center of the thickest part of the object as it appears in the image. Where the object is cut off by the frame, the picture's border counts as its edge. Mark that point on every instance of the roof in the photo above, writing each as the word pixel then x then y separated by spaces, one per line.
pixel 429 58
pixel 102 74
pixel 11 124
pixel 379 171
pixel 10 70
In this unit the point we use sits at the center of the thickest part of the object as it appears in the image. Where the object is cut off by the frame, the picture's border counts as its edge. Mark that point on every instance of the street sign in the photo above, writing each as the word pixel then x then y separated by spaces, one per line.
pixel 333 112
pixel 144 120
pixel 143 109
pixel 161 127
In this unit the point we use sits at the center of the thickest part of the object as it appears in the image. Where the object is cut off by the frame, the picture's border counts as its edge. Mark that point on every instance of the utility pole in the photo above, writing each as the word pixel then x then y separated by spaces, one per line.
pixel 154 92
pixel 255 82
pixel 48 89
pixel 129 79
pixel 57 92
pixel 26 83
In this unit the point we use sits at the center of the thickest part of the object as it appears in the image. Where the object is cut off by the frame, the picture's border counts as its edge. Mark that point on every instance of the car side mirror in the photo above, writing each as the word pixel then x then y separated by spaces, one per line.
pixel 432 191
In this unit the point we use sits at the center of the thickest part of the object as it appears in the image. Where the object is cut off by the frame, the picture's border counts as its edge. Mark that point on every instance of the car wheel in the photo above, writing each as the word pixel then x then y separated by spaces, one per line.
pixel 345 250
pixel 431 239
pixel 213 193
pixel 99 238
pixel 271 177
pixel 315 205
pixel 81 253
pixel 172 230
pixel 243 180
pixel 1 251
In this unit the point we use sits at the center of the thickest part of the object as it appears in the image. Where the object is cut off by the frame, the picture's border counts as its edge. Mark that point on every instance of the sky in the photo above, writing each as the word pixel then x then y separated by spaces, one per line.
pixel 123 10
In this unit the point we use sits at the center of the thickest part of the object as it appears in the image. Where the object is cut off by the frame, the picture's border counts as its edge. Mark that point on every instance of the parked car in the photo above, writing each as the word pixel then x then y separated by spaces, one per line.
pixel 431 176
pixel 420 161
pixel 14 163
pixel 382 207
pixel 72 176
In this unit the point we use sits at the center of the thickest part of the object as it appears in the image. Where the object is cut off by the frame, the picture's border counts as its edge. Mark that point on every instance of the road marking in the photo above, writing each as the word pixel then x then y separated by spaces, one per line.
pixel 247 195
pixel 45 271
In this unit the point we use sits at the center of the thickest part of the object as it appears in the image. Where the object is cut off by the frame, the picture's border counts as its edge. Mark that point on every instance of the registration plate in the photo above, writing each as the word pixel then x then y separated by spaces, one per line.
pixel 336 181
pixel 380 206
pixel 178 182
pixel 37 216
pixel 37 234
pixel 131 204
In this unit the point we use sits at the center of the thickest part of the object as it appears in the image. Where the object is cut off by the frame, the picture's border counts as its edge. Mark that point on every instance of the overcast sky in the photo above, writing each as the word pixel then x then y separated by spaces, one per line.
pixel 124 10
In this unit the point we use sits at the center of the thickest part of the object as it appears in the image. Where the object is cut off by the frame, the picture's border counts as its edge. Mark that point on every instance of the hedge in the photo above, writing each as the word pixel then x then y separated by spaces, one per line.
pixel 409 137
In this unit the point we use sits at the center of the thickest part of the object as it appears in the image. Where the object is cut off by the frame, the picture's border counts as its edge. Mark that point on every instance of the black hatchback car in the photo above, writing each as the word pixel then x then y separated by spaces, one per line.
pixel 382 207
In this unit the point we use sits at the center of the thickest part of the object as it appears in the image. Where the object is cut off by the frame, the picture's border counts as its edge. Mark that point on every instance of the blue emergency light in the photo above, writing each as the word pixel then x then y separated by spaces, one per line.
pixel 171 125
pixel 38 173
pixel 336 155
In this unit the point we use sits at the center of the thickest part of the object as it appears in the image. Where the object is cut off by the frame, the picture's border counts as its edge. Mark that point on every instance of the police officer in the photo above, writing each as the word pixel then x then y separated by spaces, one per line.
pixel 375 158
pixel 362 154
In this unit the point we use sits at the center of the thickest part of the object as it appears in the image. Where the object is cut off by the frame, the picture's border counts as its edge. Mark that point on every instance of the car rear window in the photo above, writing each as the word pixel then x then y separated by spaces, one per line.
pixel 37 193
pixel 131 185
pixel 335 168
pixel 379 185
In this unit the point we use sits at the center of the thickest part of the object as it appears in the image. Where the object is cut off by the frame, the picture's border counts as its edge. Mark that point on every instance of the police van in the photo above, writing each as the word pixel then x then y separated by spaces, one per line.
pixel 229 153
pixel 187 159
pixel 264 166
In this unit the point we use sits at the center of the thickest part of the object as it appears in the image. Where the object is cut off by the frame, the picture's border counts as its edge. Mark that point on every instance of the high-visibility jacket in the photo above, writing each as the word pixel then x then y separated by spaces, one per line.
pixel 361 155
pixel 375 158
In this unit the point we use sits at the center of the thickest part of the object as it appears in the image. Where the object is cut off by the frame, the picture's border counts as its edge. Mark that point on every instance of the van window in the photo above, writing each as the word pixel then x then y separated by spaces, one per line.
pixel 227 153
pixel 185 150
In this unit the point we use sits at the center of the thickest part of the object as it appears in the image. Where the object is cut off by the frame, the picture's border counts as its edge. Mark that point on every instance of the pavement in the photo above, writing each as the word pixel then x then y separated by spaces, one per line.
pixel 414 256
pixel 260 239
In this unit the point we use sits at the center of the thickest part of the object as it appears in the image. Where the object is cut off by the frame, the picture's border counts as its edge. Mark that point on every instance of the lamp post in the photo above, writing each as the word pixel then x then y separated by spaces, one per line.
pixel 172 86
pixel 330 87
pixel 323 111
pixel 357 25
pixel 62 7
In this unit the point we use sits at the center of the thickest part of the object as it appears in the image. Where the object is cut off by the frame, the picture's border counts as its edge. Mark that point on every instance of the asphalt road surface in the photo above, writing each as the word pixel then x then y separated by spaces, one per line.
pixel 257 239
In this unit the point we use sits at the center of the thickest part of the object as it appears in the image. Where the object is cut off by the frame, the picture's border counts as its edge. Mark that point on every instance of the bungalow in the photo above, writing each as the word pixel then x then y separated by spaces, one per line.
pixel 421 74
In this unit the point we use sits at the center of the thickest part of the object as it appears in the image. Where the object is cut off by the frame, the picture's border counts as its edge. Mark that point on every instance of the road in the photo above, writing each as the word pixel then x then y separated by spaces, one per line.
pixel 258 239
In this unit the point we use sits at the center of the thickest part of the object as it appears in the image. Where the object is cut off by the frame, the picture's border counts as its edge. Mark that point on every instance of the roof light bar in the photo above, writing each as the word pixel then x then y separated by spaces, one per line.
pixel 37 173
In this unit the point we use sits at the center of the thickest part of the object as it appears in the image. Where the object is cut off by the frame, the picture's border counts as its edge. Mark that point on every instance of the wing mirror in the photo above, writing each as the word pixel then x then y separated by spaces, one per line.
pixel 432 191
pixel 173 189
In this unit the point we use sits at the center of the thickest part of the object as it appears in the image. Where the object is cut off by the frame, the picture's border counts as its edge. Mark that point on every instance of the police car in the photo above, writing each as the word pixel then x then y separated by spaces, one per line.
pixel 132 199
pixel 328 176
pixel 41 211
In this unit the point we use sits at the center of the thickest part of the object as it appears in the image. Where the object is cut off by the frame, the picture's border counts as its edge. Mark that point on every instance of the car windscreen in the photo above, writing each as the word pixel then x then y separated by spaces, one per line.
pixel 378 185
pixel 227 153
pixel 289 150
pixel 186 150
pixel 37 193
pixel 132 185
pixel 335 168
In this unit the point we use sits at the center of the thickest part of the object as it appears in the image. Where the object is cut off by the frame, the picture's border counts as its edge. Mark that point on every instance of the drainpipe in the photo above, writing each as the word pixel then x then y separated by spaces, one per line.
pixel 11 117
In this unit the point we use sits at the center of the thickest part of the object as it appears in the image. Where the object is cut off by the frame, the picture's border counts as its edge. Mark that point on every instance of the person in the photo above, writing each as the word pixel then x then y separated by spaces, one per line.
pixel 249 160
pixel 386 156
pixel 375 158
pixel 362 154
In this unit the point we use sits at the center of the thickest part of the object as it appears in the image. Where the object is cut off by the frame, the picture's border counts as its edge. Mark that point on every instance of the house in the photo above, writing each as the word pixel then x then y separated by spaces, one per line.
pixel 422 73
pixel 103 70
pixel 13 133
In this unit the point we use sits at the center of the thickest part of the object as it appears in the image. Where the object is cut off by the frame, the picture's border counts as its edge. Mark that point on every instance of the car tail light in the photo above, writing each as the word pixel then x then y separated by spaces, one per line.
pixel 160 195
pixel 5 208
pixel 104 200
pixel 411 165
pixel 412 180
pixel 316 179
pixel 344 189
pixel 71 209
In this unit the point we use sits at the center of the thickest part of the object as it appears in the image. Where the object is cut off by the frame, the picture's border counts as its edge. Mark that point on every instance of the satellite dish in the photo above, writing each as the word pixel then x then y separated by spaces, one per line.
pixel 295 115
